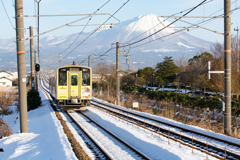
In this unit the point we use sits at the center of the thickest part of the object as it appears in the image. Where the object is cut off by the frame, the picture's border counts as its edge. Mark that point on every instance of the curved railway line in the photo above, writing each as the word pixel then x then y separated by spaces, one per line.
pixel 184 136
pixel 101 153
pixel 98 152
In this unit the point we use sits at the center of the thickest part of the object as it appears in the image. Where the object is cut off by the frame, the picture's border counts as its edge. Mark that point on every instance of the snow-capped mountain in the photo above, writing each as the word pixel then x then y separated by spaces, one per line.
pixel 149 52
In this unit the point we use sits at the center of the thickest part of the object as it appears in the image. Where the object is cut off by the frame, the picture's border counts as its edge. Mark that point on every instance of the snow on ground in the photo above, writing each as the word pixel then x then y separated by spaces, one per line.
pixel 193 128
pixel 181 44
pixel 143 140
pixel 45 140
pixel 113 147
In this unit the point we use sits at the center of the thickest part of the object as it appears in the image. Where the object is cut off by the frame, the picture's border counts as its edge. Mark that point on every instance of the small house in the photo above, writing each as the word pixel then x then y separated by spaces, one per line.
pixel 6 82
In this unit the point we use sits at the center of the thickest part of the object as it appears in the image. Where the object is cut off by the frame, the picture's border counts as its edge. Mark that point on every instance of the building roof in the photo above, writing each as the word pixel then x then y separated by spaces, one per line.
pixel 6 78
pixel 6 72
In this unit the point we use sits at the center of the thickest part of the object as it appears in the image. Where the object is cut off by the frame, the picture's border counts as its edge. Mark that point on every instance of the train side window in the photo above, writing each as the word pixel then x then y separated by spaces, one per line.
pixel 62 78
pixel 86 77
pixel 74 80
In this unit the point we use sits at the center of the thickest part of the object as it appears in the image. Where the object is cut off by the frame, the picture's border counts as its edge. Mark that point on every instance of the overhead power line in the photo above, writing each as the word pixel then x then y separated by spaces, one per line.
pixel 191 9
pixel 7 13
pixel 85 27
pixel 168 24
pixel 165 20
pixel 97 28
pixel 199 22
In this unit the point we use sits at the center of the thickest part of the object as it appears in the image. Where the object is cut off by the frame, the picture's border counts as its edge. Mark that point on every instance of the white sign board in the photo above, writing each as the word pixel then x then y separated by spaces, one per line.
pixel 223 106
pixel 135 105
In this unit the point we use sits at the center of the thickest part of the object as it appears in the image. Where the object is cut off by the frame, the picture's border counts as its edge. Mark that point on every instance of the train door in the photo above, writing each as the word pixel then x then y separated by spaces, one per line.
pixel 74 79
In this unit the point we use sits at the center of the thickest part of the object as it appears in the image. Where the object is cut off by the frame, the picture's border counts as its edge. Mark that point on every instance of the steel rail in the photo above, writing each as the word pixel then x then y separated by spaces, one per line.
pixel 172 125
pixel 107 156
pixel 90 137
pixel 174 134
pixel 125 143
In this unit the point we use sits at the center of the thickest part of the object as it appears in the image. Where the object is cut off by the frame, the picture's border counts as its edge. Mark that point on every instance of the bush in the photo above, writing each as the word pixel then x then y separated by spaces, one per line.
pixel 33 99
pixel 4 129
pixel 155 110
pixel 6 99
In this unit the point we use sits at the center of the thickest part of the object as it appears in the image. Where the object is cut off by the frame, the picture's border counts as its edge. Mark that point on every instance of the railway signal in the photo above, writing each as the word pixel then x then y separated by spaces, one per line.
pixel 37 67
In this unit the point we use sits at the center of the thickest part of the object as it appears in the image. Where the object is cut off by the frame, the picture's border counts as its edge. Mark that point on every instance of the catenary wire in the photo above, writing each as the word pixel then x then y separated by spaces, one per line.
pixel 199 22
pixel 35 11
pixel 191 9
pixel 168 24
pixel 85 27
pixel 165 20
pixel 96 29
pixel 7 13
pixel 206 21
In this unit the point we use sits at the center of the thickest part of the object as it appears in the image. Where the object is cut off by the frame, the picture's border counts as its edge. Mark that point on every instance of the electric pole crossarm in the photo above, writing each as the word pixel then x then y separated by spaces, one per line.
pixel 209 68
pixel 216 72
pixel 69 24
pixel 192 16
pixel 56 28
pixel 124 53
pixel 198 26
pixel 55 15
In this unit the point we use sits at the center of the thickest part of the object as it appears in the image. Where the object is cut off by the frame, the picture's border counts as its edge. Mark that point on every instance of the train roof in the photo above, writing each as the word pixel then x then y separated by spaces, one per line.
pixel 74 66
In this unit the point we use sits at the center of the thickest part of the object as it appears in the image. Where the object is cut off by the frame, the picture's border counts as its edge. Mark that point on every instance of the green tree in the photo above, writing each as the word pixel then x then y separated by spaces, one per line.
pixel 159 81
pixel 197 71
pixel 167 69
pixel 33 99
pixel 147 73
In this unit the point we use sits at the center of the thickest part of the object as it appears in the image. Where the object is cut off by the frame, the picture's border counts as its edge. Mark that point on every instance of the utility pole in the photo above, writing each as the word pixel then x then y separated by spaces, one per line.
pixel 38 29
pixel 35 75
pixel 117 73
pixel 227 66
pixel 237 56
pixel 21 66
pixel 89 61
pixel 31 57
pixel 237 49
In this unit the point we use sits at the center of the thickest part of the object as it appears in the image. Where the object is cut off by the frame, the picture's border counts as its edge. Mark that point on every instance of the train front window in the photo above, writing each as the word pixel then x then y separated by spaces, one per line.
pixel 85 77
pixel 74 80
pixel 62 79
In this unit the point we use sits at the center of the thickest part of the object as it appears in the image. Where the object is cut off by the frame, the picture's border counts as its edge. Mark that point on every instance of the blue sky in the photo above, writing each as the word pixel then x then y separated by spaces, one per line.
pixel 132 9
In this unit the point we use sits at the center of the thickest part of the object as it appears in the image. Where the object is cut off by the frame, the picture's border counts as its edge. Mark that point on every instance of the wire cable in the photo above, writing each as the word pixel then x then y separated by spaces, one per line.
pixel 97 29
pixel 199 22
pixel 191 9
pixel 164 21
pixel 169 24
pixel 7 13
pixel 35 11
pixel 202 21
pixel 85 27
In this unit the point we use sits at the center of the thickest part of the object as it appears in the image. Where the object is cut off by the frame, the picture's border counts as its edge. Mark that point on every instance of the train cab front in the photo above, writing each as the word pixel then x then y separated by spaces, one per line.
pixel 76 94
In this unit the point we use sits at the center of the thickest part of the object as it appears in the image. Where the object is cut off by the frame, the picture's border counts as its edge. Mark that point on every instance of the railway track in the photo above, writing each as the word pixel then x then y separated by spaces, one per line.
pixel 99 151
pixel 116 142
pixel 96 149
pixel 193 139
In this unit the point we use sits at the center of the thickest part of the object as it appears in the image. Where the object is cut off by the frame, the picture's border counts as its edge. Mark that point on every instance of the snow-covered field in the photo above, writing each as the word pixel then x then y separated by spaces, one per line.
pixel 46 139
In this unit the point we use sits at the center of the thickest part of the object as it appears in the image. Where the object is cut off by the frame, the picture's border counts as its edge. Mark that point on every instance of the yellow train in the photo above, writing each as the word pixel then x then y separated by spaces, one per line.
pixel 71 86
